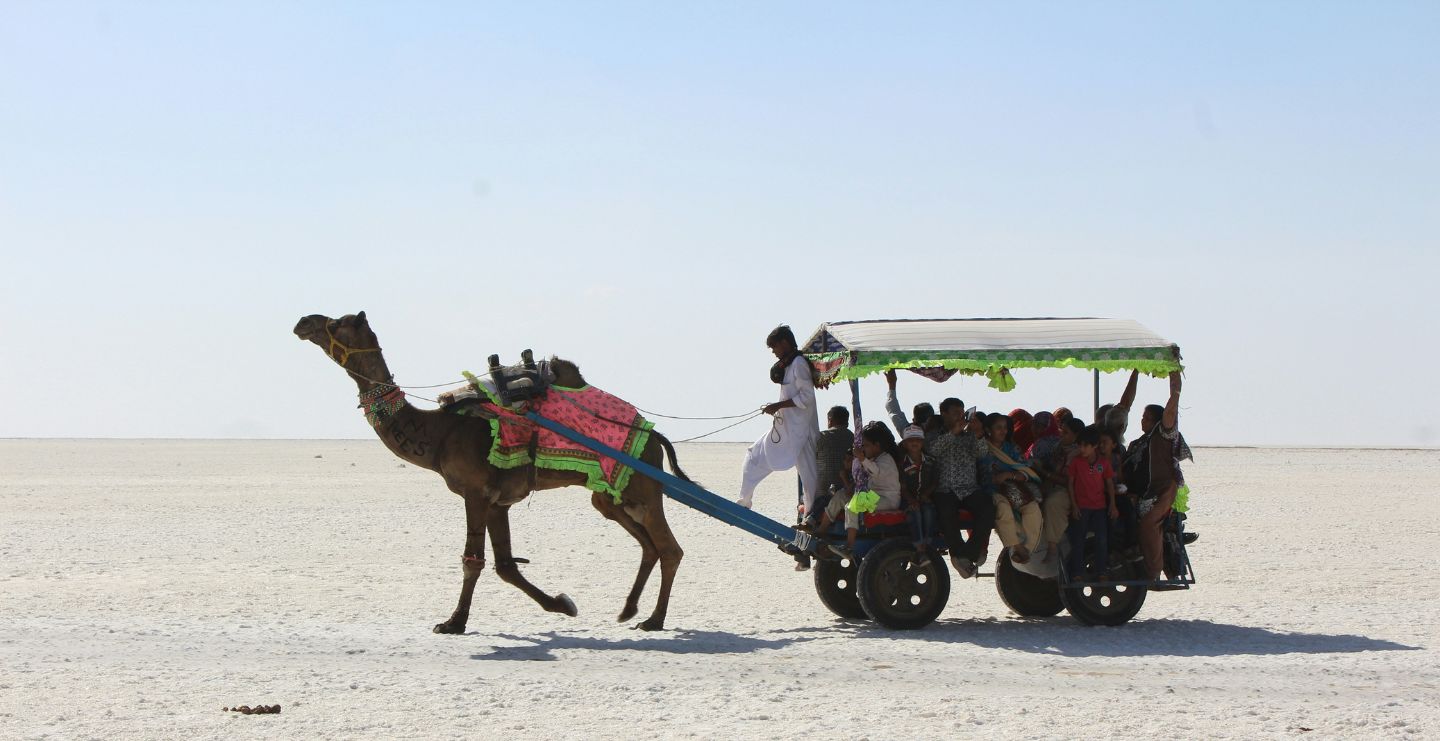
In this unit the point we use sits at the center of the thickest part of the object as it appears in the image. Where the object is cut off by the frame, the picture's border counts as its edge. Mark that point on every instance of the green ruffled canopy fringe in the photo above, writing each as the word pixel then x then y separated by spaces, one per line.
pixel 848 366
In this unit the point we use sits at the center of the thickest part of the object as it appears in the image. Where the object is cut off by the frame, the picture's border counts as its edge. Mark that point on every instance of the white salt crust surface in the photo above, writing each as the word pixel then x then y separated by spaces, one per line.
pixel 146 584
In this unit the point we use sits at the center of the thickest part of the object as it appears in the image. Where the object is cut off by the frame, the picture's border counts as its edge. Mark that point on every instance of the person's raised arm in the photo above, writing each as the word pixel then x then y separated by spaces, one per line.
pixel 892 405
pixel 1172 407
pixel 1128 398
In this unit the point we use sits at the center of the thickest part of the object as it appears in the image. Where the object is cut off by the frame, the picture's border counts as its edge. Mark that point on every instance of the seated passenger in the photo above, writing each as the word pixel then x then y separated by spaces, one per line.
pixel 1014 487
pixel 1057 499
pixel 1092 506
pixel 877 463
pixel 1020 432
pixel 917 489
pixel 830 449
pixel 1123 534
pixel 1150 465
pixel 957 451
pixel 1047 435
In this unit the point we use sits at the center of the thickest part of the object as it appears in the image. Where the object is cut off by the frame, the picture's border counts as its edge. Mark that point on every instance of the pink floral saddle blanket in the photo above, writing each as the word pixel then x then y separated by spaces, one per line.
pixel 588 411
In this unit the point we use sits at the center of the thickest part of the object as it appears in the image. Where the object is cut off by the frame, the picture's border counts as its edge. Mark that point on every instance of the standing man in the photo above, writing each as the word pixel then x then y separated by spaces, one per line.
pixel 790 443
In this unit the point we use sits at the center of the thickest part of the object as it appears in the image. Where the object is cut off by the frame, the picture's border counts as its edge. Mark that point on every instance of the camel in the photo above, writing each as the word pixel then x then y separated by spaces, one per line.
pixel 456 447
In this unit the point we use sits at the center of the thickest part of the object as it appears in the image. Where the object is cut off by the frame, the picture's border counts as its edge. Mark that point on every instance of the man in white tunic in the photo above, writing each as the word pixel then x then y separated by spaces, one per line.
pixel 790 443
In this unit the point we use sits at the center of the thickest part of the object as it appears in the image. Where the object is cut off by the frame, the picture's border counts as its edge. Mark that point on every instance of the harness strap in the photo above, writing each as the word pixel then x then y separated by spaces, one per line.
pixel 345 350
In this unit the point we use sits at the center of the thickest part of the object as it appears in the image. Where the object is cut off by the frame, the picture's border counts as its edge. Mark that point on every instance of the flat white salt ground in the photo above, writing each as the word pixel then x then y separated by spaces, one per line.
pixel 146 584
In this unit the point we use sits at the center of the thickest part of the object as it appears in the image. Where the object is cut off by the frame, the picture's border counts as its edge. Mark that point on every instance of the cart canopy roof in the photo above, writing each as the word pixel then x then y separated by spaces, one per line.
pixel 847 350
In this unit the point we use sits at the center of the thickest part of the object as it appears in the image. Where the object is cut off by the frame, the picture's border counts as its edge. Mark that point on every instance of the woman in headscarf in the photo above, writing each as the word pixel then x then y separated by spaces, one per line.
pixel 1014 486
pixel 1020 432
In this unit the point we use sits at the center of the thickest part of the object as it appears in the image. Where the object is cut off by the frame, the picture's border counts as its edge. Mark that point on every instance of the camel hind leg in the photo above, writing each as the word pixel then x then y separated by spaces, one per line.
pixel 651 516
pixel 648 554
pixel 509 572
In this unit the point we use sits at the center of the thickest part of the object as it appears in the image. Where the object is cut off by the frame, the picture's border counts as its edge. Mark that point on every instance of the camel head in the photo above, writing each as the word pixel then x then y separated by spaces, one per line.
pixel 342 338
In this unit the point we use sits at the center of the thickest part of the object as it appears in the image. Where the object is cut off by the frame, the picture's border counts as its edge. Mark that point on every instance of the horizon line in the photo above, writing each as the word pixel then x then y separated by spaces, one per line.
pixel 1216 446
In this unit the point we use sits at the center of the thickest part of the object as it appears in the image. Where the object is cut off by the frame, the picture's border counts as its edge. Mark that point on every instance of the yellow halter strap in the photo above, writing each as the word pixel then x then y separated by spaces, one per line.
pixel 345 350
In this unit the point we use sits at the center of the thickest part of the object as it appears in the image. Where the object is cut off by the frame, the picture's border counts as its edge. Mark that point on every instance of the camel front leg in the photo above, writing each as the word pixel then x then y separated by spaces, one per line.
pixel 477 513
pixel 507 570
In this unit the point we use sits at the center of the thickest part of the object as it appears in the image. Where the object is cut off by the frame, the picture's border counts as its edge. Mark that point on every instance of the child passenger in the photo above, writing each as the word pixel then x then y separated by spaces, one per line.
pixel 1092 506
pixel 917 487
pixel 877 448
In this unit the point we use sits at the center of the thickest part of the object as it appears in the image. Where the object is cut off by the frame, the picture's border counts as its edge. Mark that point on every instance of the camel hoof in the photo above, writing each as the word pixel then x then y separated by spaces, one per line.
pixel 567 605
pixel 449 629
pixel 650 624
pixel 627 613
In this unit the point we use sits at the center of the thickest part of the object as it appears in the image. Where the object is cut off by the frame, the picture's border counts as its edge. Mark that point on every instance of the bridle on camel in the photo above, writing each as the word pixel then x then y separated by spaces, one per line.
pixel 345 350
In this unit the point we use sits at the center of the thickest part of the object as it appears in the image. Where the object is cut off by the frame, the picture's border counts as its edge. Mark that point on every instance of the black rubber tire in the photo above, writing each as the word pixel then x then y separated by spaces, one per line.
pixel 897 594
pixel 1026 595
pixel 835 583
pixel 1105 605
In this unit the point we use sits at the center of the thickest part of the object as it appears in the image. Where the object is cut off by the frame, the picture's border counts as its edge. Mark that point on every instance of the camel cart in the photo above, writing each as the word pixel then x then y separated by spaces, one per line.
pixel 882 582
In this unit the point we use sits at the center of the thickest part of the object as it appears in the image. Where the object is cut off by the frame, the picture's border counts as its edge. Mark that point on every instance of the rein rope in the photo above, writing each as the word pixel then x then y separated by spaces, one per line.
pixel 603 418
pixel 386 397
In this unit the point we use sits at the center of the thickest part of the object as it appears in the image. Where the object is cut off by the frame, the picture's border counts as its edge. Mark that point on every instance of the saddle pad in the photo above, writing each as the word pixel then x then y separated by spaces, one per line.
pixel 588 411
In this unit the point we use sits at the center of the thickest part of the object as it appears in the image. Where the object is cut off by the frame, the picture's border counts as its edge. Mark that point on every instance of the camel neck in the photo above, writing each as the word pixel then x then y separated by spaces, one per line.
pixel 370 379
pixel 410 434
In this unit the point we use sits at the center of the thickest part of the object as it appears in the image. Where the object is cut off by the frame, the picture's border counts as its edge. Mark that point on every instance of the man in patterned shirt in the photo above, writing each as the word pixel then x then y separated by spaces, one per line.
pixel 956 450
pixel 830 449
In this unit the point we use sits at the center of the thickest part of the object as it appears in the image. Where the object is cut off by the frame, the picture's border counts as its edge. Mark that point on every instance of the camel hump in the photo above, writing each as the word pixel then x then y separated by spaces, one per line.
pixel 567 374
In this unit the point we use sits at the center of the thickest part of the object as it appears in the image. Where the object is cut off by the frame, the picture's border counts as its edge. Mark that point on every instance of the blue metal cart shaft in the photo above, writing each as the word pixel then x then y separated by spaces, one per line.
pixel 692 494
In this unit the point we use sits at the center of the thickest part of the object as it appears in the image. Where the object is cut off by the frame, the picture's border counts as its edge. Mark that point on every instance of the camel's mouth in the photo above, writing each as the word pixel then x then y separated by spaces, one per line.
pixel 310 327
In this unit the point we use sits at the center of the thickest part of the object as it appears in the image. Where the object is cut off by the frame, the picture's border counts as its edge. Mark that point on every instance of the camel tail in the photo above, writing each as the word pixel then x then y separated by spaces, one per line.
pixel 670 453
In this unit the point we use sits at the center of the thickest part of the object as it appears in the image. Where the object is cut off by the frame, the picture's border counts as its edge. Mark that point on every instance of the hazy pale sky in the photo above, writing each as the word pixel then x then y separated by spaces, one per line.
pixel 649 188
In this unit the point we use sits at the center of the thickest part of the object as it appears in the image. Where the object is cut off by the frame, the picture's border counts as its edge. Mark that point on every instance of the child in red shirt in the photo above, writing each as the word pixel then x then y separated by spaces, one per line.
pixel 1092 506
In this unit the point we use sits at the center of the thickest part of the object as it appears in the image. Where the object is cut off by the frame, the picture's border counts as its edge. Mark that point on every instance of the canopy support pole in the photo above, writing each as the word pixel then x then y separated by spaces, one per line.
pixel 1095 413
pixel 855 407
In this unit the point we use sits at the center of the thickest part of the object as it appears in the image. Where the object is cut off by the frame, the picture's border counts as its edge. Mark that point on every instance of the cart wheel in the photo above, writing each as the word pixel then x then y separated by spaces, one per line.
pixel 1104 605
pixel 1026 595
pixel 897 593
pixel 835 583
